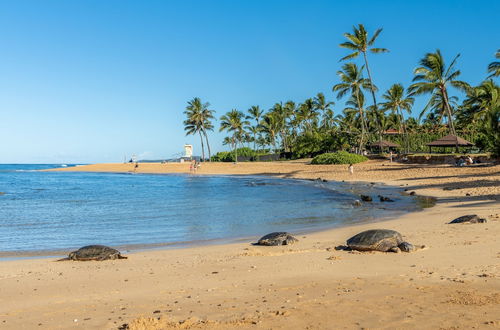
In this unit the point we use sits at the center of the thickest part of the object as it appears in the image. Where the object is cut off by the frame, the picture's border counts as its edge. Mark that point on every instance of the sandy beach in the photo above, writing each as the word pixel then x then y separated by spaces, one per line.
pixel 454 283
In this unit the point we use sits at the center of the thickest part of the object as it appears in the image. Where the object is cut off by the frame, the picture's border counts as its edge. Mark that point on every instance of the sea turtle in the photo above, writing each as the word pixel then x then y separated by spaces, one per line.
pixel 383 240
pixel 365 198
pixel 385 199
pixel 471 218
pixel 94 252
pixel 277 238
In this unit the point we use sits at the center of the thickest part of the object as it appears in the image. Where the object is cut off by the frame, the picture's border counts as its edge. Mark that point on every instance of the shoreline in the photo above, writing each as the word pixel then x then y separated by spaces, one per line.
pixel 454 283
pixel 144 247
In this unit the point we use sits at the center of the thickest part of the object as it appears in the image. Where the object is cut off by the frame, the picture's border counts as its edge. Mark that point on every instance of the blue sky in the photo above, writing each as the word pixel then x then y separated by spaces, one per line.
pixel 92 81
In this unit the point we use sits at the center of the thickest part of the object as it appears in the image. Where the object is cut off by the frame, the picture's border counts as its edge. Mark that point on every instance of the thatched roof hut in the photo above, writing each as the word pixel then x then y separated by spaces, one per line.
pixel 450 141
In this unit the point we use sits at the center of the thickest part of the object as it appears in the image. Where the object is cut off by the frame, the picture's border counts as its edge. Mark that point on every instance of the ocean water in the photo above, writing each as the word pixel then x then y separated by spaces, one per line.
pixel 53 211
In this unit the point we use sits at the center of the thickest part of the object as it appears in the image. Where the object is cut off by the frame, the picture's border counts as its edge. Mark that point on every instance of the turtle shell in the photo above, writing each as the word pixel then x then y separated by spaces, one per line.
pixel 95 252
pixel 375 240
pixel 277 238
pixel 471 218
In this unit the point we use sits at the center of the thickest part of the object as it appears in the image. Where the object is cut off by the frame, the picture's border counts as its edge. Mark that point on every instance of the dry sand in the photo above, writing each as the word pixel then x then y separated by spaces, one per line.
pixel 453 284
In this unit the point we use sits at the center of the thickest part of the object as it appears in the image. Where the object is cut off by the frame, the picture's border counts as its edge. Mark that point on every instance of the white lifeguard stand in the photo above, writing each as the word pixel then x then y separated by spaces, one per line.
pixel 188 151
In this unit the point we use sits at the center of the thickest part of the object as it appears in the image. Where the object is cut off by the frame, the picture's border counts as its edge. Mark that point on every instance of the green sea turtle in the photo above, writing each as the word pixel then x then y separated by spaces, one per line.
pixel 277 238
pixel 471 218
pixel 365 198
pixel 383 240
pixel 94 252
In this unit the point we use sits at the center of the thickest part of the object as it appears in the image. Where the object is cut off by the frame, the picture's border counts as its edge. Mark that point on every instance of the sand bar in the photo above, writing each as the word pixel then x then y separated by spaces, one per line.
pixel 453 284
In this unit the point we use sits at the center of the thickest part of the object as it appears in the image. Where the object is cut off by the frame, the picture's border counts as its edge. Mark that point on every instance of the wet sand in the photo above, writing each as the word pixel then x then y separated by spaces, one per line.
pixel 452 284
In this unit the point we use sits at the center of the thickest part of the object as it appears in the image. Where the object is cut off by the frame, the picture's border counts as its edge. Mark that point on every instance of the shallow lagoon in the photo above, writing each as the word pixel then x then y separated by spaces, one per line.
pixel 48 211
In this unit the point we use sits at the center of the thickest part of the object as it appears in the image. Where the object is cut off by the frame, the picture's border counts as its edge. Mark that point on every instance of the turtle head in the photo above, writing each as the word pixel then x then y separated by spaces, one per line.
pixel 72 256
pixel 406 247
pixel 481 220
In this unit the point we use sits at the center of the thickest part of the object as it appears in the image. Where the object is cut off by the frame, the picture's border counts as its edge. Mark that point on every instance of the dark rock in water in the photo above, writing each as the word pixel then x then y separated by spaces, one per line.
pixel 94 252
pixel 412 193
pixel 277 238
pixel 365 198
pixel 385 199
pixel 471 218
pixel 325 180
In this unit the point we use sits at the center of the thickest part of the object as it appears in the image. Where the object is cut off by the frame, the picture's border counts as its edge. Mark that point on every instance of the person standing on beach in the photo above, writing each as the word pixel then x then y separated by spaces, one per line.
pixel 351 169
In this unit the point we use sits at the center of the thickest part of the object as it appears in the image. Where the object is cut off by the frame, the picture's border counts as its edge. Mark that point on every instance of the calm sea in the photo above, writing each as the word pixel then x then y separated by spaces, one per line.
pixel 52 211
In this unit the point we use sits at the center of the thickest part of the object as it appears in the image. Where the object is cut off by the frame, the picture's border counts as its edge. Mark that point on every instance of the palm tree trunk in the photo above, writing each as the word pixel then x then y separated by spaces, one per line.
pixel 202 148
pixel 405 133
pixel 372 89
pixel 362 122
pixel 208 146
pixel 235 150
pixel 450 118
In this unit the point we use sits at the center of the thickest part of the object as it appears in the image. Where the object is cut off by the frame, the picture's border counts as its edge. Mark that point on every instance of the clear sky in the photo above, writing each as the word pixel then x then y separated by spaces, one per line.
pixel 92 81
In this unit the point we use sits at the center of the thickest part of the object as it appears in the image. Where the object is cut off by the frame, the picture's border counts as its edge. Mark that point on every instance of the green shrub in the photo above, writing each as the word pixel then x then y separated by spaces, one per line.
pixel 340 157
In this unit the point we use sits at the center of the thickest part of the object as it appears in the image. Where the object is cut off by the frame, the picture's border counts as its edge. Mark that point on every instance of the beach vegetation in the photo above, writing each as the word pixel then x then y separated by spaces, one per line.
pixel 316 125
pixel 199 121
pixel 340 157
pixel 234 122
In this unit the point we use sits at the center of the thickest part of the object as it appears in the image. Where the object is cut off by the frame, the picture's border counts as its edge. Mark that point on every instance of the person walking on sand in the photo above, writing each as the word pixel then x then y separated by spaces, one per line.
pixel 351 169
pixel 136 167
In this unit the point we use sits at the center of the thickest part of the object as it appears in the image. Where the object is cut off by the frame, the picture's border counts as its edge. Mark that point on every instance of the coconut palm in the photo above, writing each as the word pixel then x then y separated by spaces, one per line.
pixel 271 125
pixel 360 43
pixel 234 122
pixel 199 121
pixel 322 105
pixel 433 77
pixel 352 81
pixel 254 113
pixel 397 102
pixel 482 99
pixel 494 67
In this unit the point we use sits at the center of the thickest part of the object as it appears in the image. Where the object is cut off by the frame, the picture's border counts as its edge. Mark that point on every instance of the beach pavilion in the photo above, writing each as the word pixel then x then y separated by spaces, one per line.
pixel 449 141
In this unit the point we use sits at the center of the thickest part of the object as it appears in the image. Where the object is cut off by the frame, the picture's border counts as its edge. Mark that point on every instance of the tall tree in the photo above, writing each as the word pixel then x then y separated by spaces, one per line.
pixel 433 77
pixel 397 102
pixel 494 67
pixel 360 43
pixel 234 122
pixel 199 121
pixel 254 113
pixel 352 81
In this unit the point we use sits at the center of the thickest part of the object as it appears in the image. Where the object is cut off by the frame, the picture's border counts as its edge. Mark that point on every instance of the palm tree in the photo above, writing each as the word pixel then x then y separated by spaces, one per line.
pixel 199 121
pixel 359 42
pixel 494 67
pixel 254 113
pixel 433 77
pixel 233 122
pixel 352 81
pixel 270 125
pixel 322 105
pixel 397 102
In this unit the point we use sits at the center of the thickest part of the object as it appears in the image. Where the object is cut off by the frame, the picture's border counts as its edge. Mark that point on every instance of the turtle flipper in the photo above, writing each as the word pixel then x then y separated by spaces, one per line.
pixel 63 259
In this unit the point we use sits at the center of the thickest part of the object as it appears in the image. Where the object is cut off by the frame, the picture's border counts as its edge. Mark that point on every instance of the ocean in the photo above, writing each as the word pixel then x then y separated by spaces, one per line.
pixel 46 212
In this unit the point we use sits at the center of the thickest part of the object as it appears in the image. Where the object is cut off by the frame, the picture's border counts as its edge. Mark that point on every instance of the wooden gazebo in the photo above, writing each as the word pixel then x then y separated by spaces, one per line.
pixel 450 141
